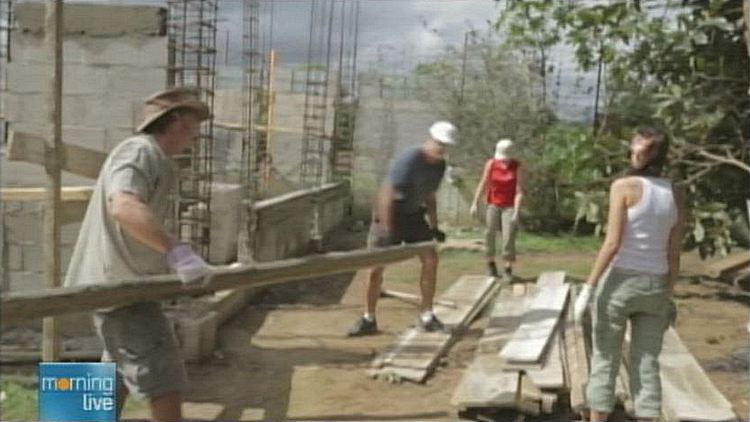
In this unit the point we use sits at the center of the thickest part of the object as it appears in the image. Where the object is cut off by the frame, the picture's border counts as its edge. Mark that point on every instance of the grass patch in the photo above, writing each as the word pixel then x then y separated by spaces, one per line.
pixel 535 242
pixel 20 401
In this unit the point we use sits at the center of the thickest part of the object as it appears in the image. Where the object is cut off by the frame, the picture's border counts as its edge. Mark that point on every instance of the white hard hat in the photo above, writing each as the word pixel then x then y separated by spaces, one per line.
pixel 502 148
pixel 443 132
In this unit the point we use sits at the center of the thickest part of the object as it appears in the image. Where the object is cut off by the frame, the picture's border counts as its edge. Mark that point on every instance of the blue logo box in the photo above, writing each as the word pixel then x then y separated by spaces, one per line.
pixel 77 392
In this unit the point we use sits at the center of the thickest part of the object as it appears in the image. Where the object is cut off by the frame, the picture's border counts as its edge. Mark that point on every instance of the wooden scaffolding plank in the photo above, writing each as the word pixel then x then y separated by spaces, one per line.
pixel 550 375
pixel 416 353
pixel 78 160
pixel 576 360
pixel 532 337
pixel 67 194
pixel 687 392
pixel 484 383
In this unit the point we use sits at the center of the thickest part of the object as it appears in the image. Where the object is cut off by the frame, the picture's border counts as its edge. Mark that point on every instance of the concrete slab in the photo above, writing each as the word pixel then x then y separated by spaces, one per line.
pixel 96 19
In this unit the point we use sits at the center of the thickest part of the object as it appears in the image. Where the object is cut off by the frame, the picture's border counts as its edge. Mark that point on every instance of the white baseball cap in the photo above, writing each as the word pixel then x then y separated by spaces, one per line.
pixel 443 132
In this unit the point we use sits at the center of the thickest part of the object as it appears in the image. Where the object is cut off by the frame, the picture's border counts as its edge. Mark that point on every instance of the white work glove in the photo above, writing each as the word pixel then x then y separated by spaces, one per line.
pixel 582 302
pixel 189 266
pixel 473 210
pixel 514 217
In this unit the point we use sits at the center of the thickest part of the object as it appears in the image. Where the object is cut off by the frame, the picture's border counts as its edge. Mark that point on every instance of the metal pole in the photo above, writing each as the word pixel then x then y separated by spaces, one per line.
pixel 53 40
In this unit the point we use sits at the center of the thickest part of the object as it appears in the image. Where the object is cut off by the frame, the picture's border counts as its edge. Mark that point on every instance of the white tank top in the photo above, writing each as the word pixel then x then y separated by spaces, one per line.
pixel 645 238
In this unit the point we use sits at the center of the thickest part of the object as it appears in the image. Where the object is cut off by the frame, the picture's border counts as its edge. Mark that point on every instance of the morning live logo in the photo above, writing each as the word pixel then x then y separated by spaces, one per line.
pixel 77 392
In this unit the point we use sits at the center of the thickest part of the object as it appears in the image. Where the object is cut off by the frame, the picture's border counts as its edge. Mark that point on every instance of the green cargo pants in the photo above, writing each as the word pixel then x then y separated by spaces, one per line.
pixel 499 218
pixel 644 300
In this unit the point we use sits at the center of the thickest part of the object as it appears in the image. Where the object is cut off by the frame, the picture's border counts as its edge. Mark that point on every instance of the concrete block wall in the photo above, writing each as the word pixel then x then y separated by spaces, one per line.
pixel 281 227
pixel 114 57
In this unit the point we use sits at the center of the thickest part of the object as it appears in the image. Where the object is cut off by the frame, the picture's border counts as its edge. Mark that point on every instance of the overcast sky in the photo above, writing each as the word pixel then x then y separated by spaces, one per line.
pixel 416 28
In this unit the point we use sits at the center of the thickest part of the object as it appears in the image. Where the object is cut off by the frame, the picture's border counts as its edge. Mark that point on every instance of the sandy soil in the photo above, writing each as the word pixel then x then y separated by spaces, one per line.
pixel 286 357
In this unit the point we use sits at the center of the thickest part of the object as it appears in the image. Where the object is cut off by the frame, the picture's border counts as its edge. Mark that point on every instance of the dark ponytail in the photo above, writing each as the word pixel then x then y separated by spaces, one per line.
pixel 659 143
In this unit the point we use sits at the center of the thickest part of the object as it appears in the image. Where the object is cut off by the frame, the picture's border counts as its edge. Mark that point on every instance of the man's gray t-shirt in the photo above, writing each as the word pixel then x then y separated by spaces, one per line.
pixel 104 253
pixel 414 179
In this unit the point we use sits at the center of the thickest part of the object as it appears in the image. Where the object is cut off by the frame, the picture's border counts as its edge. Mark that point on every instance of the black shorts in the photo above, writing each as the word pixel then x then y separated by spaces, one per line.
pixel 407 228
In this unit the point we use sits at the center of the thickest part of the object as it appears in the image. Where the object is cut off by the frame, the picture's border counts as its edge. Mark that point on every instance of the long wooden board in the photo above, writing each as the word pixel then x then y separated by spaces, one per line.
pixel 485 383
pixel 78 160
pixel 538 323
pixel 550 375
pixel 576 360
pixel 416 353
pixel 687 392
pixel 49 302
pixel 67 194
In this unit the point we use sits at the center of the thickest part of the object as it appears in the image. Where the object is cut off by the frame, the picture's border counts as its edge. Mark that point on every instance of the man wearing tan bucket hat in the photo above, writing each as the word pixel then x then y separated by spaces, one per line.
pixel 122 237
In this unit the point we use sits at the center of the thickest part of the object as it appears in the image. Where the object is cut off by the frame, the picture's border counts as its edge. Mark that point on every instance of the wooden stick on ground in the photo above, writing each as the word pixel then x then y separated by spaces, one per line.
pixel 36 304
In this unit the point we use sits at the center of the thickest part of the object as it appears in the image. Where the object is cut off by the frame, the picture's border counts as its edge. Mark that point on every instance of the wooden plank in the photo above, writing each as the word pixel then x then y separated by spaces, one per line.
pixel 687 392
pixel 75 159
pixel 485 383
pixel 729 264
pixel 530 340
pixel 529 397
pixel 550 375
pixel 416 353
pixel 35 304
pixel 576 361
pixel 67 194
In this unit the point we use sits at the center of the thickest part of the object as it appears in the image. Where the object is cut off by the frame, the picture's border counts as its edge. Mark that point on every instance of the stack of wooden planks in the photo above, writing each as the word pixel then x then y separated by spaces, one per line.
pixel 416 353
pixel 518 364
pixel 533 360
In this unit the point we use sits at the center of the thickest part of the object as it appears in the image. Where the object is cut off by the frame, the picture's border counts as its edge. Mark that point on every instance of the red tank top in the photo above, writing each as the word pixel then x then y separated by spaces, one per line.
pixel 502 183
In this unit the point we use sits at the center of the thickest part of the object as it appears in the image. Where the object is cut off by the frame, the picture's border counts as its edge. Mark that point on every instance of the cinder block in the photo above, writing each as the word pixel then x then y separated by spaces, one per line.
pixel 22 281
pixel 28 78
pixel 32 258
pixel 94 110
pixel 84 79
pixel 140 82
pixel 69 234
pixel 85 136
pixel 115 135
pixel 24 229
pixel 95 19
pixel 27 108
pixel 15 257
pixel 135 51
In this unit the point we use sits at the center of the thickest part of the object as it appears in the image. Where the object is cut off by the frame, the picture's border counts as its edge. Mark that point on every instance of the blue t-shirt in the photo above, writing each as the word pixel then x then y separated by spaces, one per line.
pixel 413 179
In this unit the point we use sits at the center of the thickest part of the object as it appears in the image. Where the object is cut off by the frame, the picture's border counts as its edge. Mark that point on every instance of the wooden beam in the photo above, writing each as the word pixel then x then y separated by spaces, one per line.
pixel 724 266
pixel 73 158
pixel 53 165
pixel 576 360
pixel 687 392
pixel 36 304
pixel 67 194
pixel 532 337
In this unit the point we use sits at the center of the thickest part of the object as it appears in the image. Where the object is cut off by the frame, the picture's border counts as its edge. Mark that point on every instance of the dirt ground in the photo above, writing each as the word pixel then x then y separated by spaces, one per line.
pixel 286 356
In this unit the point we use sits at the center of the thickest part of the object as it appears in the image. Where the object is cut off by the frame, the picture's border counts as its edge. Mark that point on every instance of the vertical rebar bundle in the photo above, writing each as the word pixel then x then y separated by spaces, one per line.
pixel 253 139
pixel 6 25
pixel 192 39
pixel 316 94
pixel 345 105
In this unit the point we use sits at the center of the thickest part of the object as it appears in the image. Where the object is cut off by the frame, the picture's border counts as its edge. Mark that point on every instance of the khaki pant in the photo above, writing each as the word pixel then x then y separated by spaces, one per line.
pixel 644 300
pixel 500 218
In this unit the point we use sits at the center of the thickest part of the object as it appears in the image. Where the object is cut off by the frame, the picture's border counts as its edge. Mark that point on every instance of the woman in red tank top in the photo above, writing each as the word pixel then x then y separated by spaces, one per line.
pixel 501 180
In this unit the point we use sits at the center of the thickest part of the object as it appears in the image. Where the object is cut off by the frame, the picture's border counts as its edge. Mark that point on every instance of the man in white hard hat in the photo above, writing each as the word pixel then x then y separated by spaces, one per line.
pixel 406 212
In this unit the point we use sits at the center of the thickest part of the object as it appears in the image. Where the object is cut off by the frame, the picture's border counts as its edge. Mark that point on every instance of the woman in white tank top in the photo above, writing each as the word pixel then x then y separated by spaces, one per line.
pixel 633 277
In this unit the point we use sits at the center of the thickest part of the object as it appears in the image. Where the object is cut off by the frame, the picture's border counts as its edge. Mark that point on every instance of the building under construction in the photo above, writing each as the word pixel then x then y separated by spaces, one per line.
pixel 285 167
